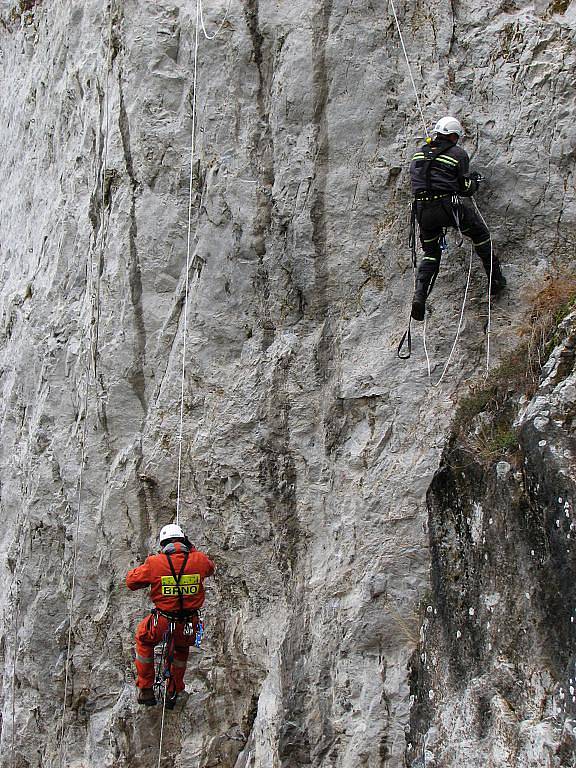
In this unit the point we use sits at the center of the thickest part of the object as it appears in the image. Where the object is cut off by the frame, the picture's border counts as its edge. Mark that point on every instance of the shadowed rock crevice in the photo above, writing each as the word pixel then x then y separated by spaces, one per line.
pixel 136 377
pixel 321 91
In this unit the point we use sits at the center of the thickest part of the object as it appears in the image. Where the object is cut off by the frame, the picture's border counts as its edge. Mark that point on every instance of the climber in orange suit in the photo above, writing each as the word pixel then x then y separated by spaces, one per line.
pixel 176 580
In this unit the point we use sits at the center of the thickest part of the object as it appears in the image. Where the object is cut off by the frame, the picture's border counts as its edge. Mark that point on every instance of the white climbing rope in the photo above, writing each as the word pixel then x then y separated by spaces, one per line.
pixel 418 104
pixel 199 25
pixel 188 249
pixel 95 295
pixel 458 330
pixel 13 693
pixel 74 561
pixel 219 28
pixel 161 741
pixel 426 346
pixel 93 289
pixel 489 323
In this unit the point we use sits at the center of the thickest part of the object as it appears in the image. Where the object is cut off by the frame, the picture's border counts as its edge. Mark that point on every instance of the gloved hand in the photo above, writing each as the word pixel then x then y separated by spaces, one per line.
pixel 477 177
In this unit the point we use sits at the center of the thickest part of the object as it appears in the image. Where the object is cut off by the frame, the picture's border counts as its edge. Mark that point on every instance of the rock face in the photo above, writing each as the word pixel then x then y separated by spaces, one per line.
pixel 495 674
pixel 307 446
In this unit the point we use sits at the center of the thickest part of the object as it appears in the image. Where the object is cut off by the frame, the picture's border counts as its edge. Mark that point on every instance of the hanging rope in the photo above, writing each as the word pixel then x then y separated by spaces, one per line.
pixel 188 249
pixel 162 727
pixel 219 28
pixel 15 640
pixel 409 69
pixel 458 330
pixel 93 289
pixel 489 324
pixel 407 337
pixel 199 24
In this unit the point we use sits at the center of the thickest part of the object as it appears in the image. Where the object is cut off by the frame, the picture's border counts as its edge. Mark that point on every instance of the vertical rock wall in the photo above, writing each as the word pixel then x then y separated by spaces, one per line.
pixel 496 670
pixel 307 446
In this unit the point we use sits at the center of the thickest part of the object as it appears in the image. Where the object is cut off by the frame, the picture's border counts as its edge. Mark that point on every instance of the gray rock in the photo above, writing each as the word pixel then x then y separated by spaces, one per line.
pixel 307 447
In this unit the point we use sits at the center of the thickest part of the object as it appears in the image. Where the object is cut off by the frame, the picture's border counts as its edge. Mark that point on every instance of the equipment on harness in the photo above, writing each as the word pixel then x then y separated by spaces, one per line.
pixel 164 661
pixel 199 633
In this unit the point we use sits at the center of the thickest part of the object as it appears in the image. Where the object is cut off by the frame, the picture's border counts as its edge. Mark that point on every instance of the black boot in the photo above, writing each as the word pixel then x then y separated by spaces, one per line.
pixel 498 282
pixel 419 304
pixel 423 280
pixel 146 697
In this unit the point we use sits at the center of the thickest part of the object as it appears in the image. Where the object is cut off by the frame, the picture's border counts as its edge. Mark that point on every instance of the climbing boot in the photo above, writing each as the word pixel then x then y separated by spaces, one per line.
pixel 498 280
pixel 146 697
pixel 419 305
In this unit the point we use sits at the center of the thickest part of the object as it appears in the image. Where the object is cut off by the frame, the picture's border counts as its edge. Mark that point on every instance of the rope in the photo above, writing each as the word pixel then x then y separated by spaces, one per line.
pixel 162 726
pixel 219 29
pixel 95 296
pixel 199 24
pixel 188 249
pixel 94 293
pixel 425 346
pixel 16 621
pixel 74 561
pixel 457 337
pixel 418 104
pixel 489 324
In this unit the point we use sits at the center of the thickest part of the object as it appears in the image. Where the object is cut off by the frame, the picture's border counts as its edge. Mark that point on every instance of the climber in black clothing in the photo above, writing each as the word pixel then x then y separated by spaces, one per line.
pixel 440 178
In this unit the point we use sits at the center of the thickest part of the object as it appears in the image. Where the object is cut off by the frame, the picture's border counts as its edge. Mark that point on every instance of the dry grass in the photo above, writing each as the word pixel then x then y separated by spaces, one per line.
pixel 518 374
pixel 549 306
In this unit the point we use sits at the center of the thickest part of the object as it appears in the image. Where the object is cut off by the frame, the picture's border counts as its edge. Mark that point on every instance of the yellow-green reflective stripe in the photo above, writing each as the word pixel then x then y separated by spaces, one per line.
pixel 145 659
pixel 483 242
pixel 446 162
pixel 419 156
pixel 432 239
pixel 429 258
pixel 448 158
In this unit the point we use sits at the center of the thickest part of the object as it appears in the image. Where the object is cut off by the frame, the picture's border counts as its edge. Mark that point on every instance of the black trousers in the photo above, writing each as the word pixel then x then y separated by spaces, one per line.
pixel 434 216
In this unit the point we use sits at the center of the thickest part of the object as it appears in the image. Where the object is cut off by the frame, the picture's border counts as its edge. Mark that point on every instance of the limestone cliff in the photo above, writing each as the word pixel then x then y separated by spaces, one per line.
pixel 308 447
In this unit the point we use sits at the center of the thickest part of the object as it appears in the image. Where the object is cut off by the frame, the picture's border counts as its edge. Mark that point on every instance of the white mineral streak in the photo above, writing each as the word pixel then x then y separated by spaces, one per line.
pixel 308 447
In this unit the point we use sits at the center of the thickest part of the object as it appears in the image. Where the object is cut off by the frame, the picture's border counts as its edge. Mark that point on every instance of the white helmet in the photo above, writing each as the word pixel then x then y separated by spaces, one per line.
pixel 171 531
pixel 448 125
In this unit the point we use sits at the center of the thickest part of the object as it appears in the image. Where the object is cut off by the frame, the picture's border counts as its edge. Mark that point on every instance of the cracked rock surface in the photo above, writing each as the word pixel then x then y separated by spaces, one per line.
pixel 307 446
pixel 496 670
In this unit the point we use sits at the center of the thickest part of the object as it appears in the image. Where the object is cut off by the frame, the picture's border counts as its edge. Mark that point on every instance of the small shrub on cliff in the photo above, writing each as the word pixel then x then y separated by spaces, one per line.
pixel 496 398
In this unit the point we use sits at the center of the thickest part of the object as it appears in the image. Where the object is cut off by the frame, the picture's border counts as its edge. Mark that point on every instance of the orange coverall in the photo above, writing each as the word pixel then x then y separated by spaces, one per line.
pixel 157 574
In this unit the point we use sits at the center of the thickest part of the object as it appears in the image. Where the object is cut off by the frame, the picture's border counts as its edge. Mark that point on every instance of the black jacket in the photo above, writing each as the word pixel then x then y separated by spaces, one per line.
pixel 442 167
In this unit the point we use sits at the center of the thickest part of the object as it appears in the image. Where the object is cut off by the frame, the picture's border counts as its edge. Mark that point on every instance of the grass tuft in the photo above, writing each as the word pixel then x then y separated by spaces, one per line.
pixel 484 416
